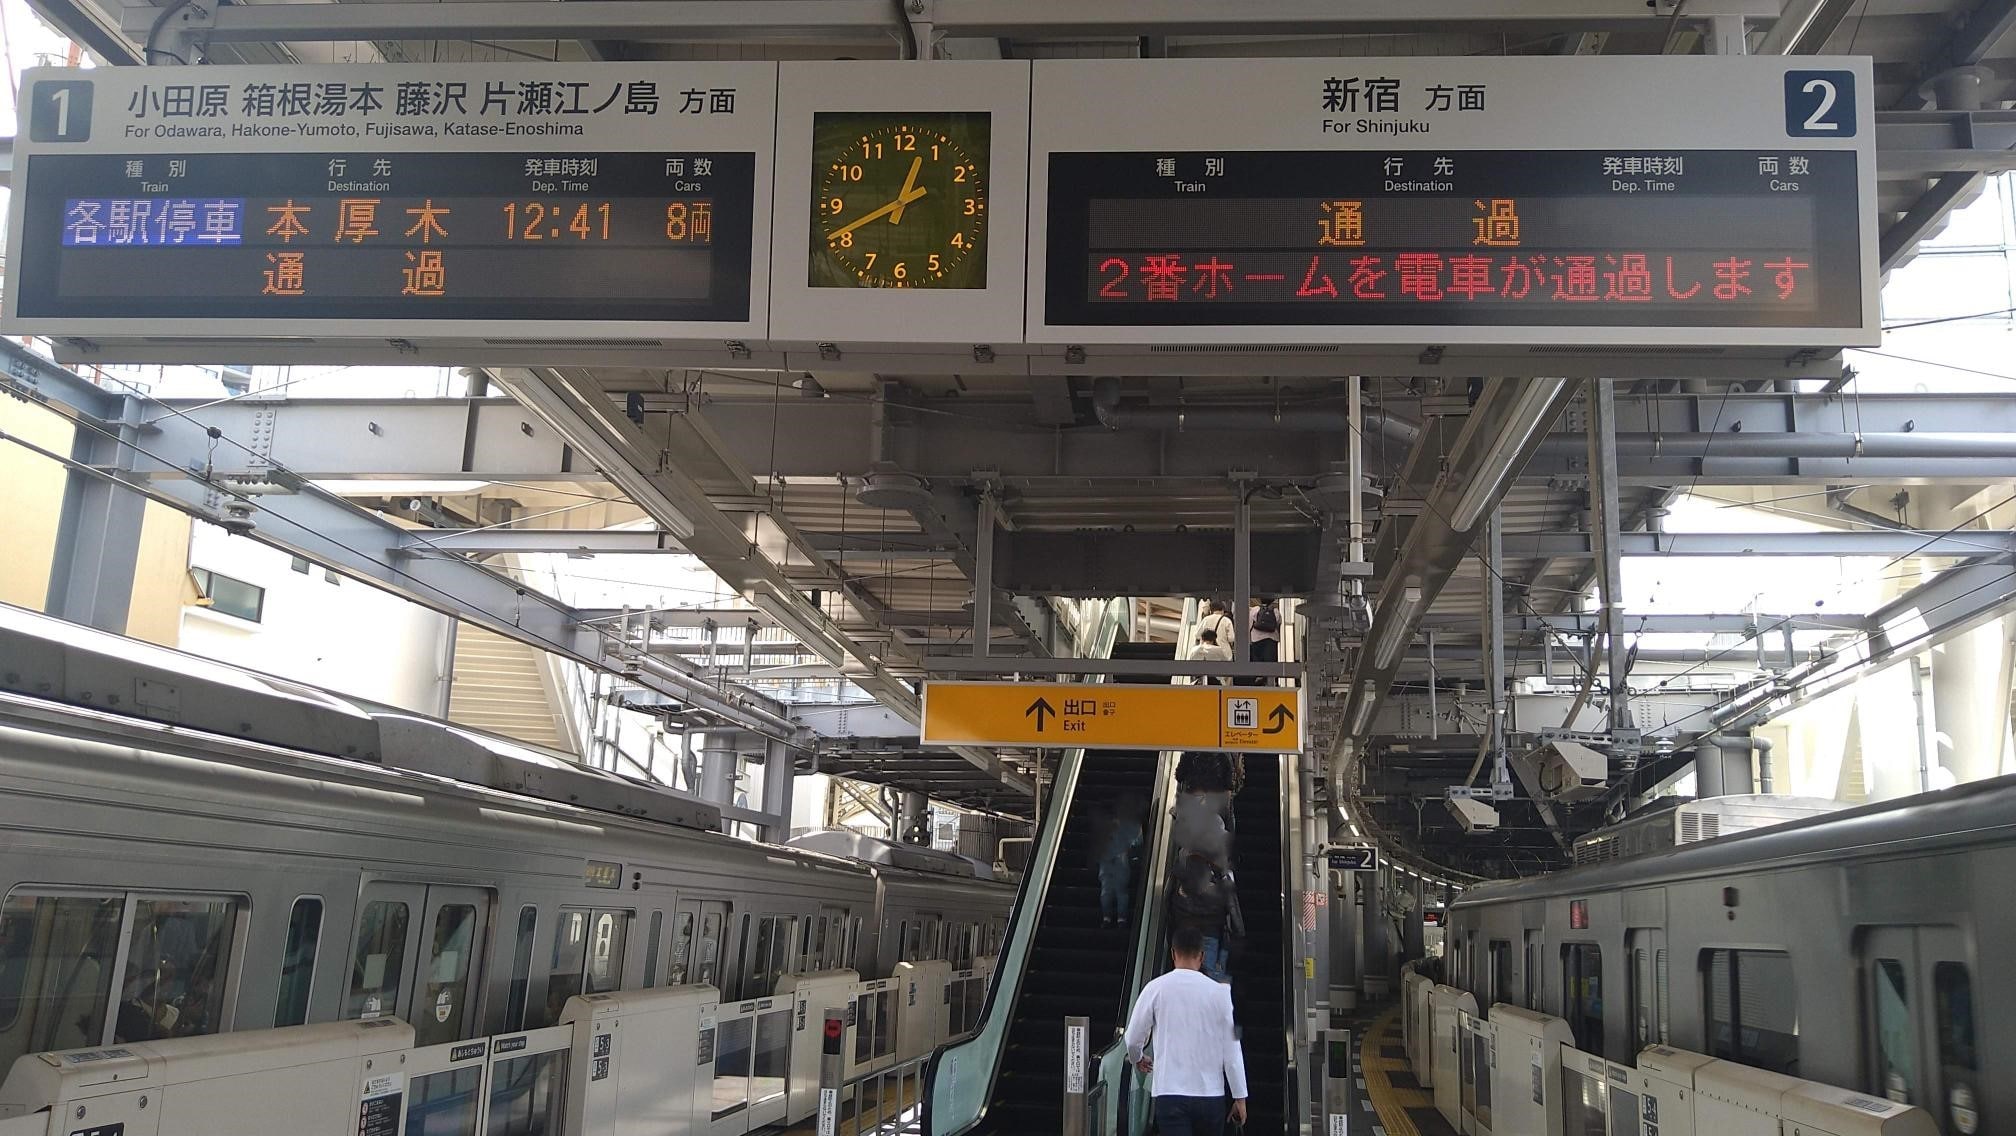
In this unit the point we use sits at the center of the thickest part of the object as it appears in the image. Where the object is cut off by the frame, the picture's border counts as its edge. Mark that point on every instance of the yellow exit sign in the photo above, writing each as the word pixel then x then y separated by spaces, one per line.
pixel 1250 719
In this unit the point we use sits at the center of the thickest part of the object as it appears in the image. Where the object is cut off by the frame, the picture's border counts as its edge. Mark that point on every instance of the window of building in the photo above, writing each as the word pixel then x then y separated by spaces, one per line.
pixel 297 965
pixel 1752 1008
pixel 229 596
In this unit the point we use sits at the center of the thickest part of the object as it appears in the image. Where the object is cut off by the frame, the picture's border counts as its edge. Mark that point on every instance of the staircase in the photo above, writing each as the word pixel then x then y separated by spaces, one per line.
pixel 1076 967
pixel 1259 968
pixel 497 687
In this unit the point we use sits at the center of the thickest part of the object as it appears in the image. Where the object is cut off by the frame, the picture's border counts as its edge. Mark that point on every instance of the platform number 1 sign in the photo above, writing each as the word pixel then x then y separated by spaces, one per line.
pixel 1820 104
pixel 60 111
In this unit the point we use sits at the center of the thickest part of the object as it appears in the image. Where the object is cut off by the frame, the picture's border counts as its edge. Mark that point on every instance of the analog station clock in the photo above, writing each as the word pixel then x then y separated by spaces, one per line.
pixel 899 200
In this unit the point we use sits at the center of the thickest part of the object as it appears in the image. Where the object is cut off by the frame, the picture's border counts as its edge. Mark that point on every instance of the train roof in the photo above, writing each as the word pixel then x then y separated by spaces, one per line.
pixel 56 662
pixel 856 845
pixel 1974 813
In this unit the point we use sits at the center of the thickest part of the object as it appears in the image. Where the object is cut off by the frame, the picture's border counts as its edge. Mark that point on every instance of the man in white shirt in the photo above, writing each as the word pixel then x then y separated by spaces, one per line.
pixel 1209 650
pixel 1188 1017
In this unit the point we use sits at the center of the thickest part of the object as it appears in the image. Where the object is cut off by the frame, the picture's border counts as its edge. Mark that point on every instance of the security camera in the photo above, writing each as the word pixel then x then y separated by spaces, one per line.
pixel 1473 815
pixel 1569 771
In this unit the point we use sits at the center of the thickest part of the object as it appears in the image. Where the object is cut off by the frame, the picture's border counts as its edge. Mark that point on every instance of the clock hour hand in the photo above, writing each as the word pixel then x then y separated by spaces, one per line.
pixel 904 198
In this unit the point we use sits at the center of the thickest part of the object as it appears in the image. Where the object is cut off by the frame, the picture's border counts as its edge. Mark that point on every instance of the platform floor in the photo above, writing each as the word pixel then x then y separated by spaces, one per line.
pixel 1388 1088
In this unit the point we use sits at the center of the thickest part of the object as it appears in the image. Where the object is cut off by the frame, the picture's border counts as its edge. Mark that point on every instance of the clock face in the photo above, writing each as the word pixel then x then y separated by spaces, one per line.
pixel 899 200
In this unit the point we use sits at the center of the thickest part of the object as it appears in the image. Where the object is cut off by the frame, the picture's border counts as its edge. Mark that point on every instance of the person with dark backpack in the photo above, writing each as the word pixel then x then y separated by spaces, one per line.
pixel 1264 635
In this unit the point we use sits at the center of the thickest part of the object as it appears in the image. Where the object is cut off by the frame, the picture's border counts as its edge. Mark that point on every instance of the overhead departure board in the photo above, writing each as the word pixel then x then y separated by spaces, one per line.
pixel 1686 238
pixel 1724 202
pixel 403 237
pixel 470 201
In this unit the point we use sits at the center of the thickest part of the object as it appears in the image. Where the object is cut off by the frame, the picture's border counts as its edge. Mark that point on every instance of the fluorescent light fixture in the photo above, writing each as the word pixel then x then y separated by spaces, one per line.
pixel 1368 698
pixel 1494 468
pixel 1398 628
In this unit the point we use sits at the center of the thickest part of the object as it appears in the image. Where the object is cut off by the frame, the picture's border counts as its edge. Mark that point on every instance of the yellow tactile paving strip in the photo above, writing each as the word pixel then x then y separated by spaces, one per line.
pixel 1389 1102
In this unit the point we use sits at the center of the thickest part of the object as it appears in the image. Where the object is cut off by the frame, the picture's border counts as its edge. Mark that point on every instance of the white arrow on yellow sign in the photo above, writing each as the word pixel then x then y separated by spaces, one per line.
pixel 1249 719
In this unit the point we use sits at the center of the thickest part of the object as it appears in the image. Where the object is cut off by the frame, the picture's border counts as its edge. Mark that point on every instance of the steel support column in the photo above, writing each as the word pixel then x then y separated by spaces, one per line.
pixel 1608 525
pixel 983 576
pixel 98 532
pixel 1242 574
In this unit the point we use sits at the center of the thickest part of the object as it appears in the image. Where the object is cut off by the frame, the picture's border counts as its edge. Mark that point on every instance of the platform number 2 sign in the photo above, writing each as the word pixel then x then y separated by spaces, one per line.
pixel 60 111
pixel 1820 104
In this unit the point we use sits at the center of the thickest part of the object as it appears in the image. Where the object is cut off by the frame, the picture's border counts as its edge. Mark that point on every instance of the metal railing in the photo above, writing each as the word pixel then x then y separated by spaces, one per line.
pixel 888 1102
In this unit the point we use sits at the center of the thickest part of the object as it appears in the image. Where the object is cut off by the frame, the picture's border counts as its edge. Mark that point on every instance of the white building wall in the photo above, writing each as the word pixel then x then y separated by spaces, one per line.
pixel 343 635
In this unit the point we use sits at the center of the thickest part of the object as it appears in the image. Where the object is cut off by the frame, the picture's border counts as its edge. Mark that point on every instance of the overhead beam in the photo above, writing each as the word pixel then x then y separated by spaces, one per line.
pixel 324 528
pixel 658 473
pixel 1874 542
pixel 1701 623
pixel 569 542
pixel 1805 26
pixel 1131 19
pixel 773 21
pixel 1664 439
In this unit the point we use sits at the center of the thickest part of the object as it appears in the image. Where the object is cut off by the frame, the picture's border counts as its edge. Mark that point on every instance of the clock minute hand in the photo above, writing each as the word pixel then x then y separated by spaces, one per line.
pixel 894 207
pixel 904 197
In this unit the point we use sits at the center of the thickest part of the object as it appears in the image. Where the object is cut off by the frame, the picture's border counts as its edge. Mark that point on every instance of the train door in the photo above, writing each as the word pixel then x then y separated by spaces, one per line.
pixel 418 956
pixel 1645 958
pixel 1919 1029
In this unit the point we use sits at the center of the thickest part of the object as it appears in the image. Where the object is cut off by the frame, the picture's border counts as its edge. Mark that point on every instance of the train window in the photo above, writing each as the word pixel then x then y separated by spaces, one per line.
pixel 1896 1039
pixel 1532 975
pixel 444 991
pixel 587 956
pixel 563 974
pixel 706 969
pixel 1953 1000
pixel 528 1096
pixel 651 948
pixel 1582 994
pixel 1665 1004
pixel 381 955
pixel 1752 1008
pixel 521 969
pixel 56 957
pixel 1501 972
pixel 177 955
pixel 784 962
pixel 609 934
pixel 297 966
pixel 816 932
pixel 682 950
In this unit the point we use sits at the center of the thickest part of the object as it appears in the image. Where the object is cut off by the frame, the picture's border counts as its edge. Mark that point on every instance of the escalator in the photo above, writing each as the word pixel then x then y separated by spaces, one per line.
pixel 1076 967
pixel 1258 967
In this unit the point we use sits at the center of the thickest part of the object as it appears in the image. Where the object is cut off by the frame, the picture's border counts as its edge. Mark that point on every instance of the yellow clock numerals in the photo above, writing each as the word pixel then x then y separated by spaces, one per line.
pixel 899 201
